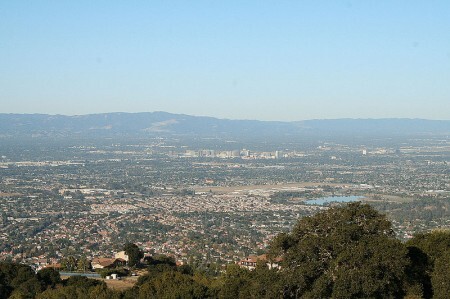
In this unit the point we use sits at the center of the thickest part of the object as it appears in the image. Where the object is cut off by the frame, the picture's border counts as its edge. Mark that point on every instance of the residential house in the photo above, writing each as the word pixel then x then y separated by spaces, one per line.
pixel 251 261
pixel 102 263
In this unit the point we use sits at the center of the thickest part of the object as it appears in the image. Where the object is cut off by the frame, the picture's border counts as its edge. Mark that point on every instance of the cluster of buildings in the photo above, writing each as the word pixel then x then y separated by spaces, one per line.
pixel 252 261
pixel 243 154
pixel 229 224
pixel 93 205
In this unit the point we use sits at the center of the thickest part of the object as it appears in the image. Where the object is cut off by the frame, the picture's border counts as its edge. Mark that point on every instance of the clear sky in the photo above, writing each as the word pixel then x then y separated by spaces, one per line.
pixel 268 60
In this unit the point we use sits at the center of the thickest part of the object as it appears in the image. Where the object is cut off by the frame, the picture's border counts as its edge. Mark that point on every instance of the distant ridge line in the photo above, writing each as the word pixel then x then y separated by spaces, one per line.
pixel 219 118
pixel 141 124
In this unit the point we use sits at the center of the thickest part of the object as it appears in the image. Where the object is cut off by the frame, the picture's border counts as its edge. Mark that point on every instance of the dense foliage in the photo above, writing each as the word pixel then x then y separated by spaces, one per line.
pixel 343 252
pixel 134 254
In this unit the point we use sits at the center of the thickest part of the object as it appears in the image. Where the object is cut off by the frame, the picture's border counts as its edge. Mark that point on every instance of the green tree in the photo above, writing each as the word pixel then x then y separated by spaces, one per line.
pixel 5 289
pixel 374 267
pixel 49 277
pixel 82 282
pixel 440 278
pixel 27 289
pixel 236 283
pixel 434 243
pixel 265 282
pixel 418 279
pixel 102 292
pixel 186 269
pixel 173 284
pixel 23 273
pixel 134 254
pixel 132 293
pixel 12 276
pixel 83 264
pixel 325 255
pixel 67 292
pixel 69 263
pixel 161 259
pixel 425 249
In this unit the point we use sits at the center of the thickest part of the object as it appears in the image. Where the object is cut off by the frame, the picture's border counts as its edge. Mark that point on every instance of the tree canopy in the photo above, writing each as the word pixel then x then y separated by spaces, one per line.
pixel 134 254
pixel 343 252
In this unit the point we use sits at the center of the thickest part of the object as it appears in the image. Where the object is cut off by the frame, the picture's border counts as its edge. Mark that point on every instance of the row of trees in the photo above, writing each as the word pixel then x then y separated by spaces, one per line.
pixel 344 252
pixel 70 263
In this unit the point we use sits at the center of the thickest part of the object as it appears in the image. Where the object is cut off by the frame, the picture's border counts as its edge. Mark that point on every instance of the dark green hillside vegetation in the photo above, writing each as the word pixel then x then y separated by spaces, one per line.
pixel 343 252
pixel 430 259
pixel 20 281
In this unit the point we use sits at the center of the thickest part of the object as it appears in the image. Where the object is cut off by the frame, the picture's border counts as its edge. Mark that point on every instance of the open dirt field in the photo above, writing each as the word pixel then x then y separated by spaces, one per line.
pixel 122 284
pixel 263 187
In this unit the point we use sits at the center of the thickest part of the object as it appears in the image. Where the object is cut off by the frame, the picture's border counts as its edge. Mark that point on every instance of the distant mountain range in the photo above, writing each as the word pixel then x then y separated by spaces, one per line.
pixel 163 123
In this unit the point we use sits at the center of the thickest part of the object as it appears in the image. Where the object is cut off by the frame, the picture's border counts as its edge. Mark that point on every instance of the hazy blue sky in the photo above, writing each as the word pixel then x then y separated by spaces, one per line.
pixel 271 60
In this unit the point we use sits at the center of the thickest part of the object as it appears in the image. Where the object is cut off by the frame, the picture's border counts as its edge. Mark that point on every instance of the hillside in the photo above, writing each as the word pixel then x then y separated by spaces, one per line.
pixel 163 123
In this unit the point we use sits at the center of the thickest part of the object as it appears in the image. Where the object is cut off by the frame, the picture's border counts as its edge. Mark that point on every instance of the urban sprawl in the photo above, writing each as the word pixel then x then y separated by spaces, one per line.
pixel 216 204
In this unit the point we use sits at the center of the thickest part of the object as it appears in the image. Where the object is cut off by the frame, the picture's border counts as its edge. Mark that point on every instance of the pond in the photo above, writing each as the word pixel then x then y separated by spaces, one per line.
pixel 326 200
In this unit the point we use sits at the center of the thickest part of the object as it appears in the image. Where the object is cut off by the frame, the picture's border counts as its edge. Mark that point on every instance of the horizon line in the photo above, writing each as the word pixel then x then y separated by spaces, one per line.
pixel 223 118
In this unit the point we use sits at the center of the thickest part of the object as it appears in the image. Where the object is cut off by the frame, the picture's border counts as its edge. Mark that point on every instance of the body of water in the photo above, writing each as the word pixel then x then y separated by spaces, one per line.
pixel 326 200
